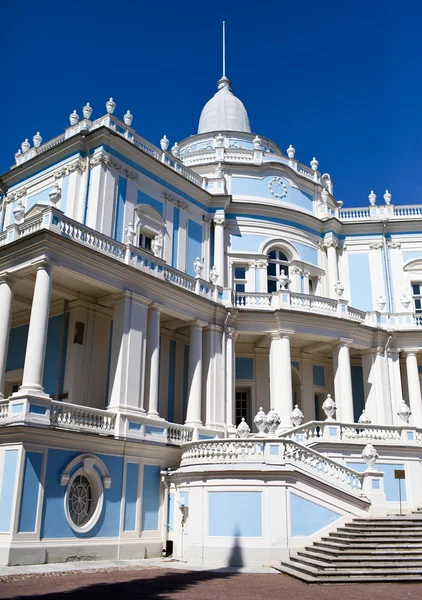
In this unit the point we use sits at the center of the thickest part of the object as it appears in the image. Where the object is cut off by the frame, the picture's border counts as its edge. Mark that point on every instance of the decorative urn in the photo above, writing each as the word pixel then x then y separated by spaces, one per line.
pixel 404 412
pixel 87 111
pixel 324 195
pixel 25 146
pixel 19 212
pixel 164 143
pixel 297 416
pixel 372 198
pixel 175 150
pixel 260 420
pixel 364 418
pixel 219 172
pixel 314 164
pixel 128 118
pixel 283 280
pixel 387 197
pixel 257 143
pixel 157 244
pixel 369 455
pixel 110 106
pixel 197 266
pixel 243 429
pixel 273 421
pixel 380 301
pixel 329 407
pixel 73 118
pixel 55 194
pixel 130 234
pixel 219 141
pixel 339 289
pixel 291 151
pixel 214 275
pixel 37 139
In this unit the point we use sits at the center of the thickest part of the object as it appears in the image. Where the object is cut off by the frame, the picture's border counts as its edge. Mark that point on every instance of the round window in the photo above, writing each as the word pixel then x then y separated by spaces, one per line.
pixel 80 500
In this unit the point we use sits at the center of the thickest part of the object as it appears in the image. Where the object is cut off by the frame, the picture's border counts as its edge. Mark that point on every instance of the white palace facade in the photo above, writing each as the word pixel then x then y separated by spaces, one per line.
pixel 199 344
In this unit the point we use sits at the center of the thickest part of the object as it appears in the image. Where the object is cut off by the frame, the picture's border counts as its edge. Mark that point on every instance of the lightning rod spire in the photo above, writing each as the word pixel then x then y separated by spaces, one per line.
pixel 224 48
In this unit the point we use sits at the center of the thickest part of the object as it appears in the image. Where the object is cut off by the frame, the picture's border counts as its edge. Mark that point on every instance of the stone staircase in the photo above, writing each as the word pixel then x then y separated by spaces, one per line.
pixel 376 549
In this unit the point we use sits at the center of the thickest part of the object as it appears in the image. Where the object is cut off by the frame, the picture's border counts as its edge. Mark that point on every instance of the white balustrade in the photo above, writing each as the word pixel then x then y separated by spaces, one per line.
pixel 179 434
pixel 306 433
pixel 4 410
pixel 352 214
pixel 82 418
pixel 375 433
pixel 88 237
pixel 252 300
pixel 408 211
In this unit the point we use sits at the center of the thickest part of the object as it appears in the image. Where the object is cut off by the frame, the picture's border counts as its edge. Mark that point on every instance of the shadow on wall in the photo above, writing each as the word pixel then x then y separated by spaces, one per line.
pixel 236 557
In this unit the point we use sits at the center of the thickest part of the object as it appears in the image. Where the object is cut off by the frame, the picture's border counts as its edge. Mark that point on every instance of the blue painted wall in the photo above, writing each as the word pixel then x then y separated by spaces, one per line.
pixel 120 208
pixel 235 514
pixel 306 517
pixel 244 368
pixel 54 523
pixel 7 489
pixel 360 281
pixel 391 485
pixel 150 498
pixel 143 198
pixel 171 381
pixel 247 186
pixel 194 245
pixel 175 243
pixel 318 375
pixel 358 391
pixel 131 496
pixel 30 491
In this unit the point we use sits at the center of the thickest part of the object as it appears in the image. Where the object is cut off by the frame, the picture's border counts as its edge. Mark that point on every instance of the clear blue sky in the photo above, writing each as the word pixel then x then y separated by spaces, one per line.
pixel 339 80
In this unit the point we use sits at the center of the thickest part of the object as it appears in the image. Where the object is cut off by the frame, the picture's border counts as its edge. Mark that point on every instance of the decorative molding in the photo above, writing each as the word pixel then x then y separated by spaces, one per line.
pixel 394 245
pixel 376 245
pixel 276 183
pixel 219 220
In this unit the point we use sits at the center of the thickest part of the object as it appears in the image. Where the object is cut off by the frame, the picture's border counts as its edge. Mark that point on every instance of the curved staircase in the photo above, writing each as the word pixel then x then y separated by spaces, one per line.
pixel 376 549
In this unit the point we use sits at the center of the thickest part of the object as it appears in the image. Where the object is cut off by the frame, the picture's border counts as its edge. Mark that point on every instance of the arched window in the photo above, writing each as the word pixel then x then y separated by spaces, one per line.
pixel 277 262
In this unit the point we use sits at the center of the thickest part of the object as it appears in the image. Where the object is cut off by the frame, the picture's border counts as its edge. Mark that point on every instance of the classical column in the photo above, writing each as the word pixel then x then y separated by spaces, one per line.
pixel 376 404
pixel 331 246
pixel 261 282
pixel 295 275
pixel 193 413
pixel 343 382
pixel 213 382
pixel 6 299
pixel 219 260
pixel 230 375
pixel 153 360
pixel 281 392
pixel 33 369
pixel 305 275
pixel 414 387
pixel 127 368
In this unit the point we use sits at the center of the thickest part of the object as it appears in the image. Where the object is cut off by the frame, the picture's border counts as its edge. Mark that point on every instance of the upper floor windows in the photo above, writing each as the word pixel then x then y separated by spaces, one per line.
pixel 239 277
pixel 277 262
pixel 145 241
pixel 417 297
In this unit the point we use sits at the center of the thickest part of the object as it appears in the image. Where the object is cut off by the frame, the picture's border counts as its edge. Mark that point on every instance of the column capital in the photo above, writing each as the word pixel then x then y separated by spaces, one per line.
pixel 281 333
pixel 127 295
pixel 219 219
pixel 345 342
pixel 231 332
pixel 213 328
pixel 410 351
pixel 329 243
pixel 7 278
pixel 197 324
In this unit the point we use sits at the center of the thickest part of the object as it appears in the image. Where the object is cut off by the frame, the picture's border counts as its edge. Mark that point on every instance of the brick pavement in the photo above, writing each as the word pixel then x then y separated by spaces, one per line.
pixel 169 584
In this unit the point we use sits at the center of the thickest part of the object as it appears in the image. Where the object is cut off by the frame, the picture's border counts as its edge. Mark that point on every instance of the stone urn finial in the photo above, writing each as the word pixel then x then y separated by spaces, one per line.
pixel 130 234
pixel 110 106
pixel 404 412
pixel 387 197
pixel 329 407
pixel 283 280
pixel 273 421
pixel 324 196
pixel 128 118
pixel 372 198
pixel 260 421
pixel 164 143
pixel 364 418
pixel 73 118
pixel 219 141
pixel 297 416
pixel 291 151
pixel 214 275
pixel 25 146
pixel 314 164
pixel 19 212
pixel 157 244
pixel 198 266
pixel 369 455
pixel 55 194
pixel 257 143
pixel 243 429
pixel 175 150
pixel 87 111
pixel 339 289
pixel 37 139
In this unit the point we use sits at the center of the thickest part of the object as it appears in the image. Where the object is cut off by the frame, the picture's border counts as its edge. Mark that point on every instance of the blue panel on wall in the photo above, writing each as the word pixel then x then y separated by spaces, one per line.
pixel 17 347
pixel 7 489
pixel 54 523
pixel 175 244
pixel 171 384
pixel 307 253
pixel 244 368
pixel 40 198
pixel 360 281
pixel 391 485
pixel 170 511
pixel 259 187
pixel 120 208
pixel 185 380
pixel 143 198
pixel 194 245
pixel 318 375
pixel 235 514
pixel 30 491
pixel 307 518
pixel 150 498
pixel 110 343
pixel 53 354
pixel 131 496
pixel 358 391
pixel 246 243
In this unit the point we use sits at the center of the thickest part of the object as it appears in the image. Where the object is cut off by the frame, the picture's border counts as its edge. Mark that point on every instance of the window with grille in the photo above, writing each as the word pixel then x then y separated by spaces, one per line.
pixel 417 297
pixel 277 262
pixel 239 279
pixel 242 406
pixel 145 241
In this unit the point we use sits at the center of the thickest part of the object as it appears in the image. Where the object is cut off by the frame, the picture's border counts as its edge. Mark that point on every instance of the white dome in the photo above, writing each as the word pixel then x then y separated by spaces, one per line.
pixel 224 112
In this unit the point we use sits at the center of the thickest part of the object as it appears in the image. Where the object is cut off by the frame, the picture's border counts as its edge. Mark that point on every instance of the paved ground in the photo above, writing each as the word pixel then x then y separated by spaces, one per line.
pixel 158 583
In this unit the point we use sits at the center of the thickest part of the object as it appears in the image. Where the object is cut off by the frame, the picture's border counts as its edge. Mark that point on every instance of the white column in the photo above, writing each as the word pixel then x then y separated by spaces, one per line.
pixel 343 382
pixel 6 300
pixel 374 386
pixel 414 387
pixel 295 276
pixel 153 360
pixel 213 383
pixel 127 369
pixel 305 275
pixel 219 260
pixel 281 392
pixel 193 413
pixel 230 375
pixel 33 369
pixel 331 246
pixel 261 276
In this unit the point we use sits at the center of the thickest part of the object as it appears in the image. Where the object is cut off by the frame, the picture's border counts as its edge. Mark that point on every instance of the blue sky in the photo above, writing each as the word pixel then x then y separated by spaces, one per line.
pixel 339 80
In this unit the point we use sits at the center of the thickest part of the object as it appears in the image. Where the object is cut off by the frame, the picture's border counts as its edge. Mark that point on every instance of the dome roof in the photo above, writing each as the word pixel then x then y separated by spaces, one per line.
pixel 224 112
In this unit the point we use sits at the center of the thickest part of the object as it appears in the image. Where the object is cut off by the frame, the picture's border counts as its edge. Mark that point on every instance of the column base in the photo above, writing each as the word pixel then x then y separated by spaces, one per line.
pixel 29 407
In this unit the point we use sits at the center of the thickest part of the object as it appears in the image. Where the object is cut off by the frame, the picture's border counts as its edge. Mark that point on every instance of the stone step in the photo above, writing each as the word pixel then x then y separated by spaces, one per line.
pixel 355 574
pixel 352 539
pixel 360 563
pixel 337 552
pixel 382 529
pixel 310 578
pixel 342 542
